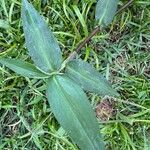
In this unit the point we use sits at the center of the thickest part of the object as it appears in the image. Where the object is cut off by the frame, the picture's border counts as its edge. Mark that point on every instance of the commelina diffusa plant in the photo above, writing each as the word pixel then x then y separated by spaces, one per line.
pixel 65 80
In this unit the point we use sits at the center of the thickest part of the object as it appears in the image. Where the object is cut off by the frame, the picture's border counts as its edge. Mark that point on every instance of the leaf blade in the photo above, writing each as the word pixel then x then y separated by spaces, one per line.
pixel 4 24
pixel 88 78
pixel 40 41
pixel 105 11
pixel 23 68
pixel 72 109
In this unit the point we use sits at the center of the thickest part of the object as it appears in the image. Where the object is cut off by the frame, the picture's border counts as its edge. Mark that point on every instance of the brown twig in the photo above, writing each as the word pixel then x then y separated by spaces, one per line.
pixel 82 44
pixel 93 33
pixel 126 5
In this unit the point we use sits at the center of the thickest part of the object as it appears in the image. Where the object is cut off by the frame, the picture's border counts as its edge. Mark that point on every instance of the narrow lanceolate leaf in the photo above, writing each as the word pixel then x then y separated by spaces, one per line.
pixel 105 11
pixel 23 68
pixel 88 78
pixel 73 111
pixel 40 41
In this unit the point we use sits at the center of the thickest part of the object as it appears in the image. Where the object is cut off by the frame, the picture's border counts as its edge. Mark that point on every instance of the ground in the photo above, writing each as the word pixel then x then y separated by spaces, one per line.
pixel 121 52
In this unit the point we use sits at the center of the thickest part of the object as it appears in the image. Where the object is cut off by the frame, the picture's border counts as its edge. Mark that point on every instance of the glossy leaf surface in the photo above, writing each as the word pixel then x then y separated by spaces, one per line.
pixel 88 78
pixel 73 111
pixel 23 68
pixel 40 41
pixel 105 11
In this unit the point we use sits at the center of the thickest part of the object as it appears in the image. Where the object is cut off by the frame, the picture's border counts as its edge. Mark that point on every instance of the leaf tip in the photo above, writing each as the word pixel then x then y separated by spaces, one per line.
pixel 25 3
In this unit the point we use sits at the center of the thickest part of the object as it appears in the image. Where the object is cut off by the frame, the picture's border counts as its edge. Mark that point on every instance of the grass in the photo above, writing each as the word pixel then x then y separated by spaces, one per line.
pixel 121 52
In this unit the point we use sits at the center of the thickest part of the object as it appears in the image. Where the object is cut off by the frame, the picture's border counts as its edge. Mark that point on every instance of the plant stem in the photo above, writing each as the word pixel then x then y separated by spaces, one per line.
pixel 126 5
pixel 83 43
pixel 93 33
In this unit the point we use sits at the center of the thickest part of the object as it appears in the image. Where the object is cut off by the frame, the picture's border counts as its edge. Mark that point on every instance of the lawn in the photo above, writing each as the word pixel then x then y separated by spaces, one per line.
pixel 121 53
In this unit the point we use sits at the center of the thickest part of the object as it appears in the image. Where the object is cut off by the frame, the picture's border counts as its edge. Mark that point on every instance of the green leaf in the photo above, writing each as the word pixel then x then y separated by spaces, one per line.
pixel 4 24
pixel 40 41
pixel 73 111
pixel 105 11
pixel 23 68
pixel 88 78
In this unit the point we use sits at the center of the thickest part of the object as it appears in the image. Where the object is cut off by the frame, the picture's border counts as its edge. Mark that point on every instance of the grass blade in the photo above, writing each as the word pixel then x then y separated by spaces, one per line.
pixel 4 24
